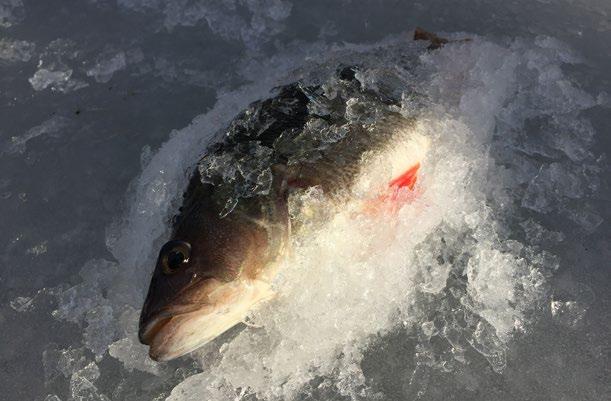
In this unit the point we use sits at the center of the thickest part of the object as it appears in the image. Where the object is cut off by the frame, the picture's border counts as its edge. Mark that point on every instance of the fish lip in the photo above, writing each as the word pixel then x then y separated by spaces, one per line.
pixel 148 331
pixel 155 323
pixel 170 332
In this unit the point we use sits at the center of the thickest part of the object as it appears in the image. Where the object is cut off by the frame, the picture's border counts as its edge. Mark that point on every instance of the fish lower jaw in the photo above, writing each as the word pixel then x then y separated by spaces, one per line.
pixel 187 332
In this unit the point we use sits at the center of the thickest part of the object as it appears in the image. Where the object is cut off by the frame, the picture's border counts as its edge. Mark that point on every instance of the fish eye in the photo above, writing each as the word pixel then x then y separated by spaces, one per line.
pixel 174 255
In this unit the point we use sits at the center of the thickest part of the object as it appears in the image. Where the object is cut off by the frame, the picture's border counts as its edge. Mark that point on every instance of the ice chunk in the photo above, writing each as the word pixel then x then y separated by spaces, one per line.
pixel 106 65
pixel 16 50
pixel 53 127
pixel 362 112
pixel 38 250
pixel 140 4
pixel 54 70
pixel 133 355
pixel 264 18
pixel 570 303
pixel 57 80
pixel 52 397
pixel 567 313
pixel 82 389
pixel 246 172
pixel 11 12
pixel 73 364
pixel 128 349
pixel 584 216
pixel 90 372
pixel 488 344
pixel 435 266
pixel 76 301
pixel 22 304
pixel 553 184
pixel 99 333
pixel 537 234
pixel 64 362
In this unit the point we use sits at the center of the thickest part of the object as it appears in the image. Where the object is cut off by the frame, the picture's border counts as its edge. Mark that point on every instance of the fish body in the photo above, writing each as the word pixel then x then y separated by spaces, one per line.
pixel 234 226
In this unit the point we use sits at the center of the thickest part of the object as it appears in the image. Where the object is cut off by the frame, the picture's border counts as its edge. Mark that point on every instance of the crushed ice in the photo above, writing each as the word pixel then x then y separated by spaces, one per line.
pixel 459 275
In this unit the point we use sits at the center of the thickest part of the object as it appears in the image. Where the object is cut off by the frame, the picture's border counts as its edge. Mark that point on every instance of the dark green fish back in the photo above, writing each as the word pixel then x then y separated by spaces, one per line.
pixel 317 133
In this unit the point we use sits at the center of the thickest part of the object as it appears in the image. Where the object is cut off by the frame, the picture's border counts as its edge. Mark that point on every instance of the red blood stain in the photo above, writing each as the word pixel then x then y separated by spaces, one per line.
pixel 407 179
pixel 391 200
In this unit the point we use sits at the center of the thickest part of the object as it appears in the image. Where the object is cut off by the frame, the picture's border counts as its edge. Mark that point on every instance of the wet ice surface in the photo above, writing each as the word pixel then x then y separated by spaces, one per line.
pixel 497 292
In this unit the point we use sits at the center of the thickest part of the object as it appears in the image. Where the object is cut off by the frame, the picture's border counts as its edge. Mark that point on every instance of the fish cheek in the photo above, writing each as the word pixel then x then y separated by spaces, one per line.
pixel 163 290
pixel 217 254
pixel 241 255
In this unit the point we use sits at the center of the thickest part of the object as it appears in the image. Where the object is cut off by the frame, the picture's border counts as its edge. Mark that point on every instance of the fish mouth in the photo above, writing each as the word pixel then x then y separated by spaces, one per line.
pixel 147 333
pixel 169 335
pixel 177 330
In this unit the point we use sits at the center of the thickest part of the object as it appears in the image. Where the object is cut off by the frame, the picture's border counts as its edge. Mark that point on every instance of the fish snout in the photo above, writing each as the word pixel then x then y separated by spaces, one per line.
pixel 180 327
pixel 151 325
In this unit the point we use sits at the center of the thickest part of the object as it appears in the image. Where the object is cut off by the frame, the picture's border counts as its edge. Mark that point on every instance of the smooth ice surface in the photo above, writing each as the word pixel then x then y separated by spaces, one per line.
pixel 491 282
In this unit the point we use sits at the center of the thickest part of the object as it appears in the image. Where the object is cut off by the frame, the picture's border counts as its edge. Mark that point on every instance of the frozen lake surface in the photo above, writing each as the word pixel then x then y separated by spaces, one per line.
pixel 494 285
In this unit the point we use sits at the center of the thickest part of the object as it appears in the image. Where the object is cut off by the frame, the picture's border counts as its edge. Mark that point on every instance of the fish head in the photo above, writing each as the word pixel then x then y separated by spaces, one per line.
pixel 207 277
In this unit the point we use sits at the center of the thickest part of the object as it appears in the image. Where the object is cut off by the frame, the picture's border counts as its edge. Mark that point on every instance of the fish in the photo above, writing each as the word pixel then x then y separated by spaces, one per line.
pixel 234 227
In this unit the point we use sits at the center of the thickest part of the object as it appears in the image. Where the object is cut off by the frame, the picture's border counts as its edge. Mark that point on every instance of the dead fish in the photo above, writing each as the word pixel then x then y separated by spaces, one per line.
pixel 234 226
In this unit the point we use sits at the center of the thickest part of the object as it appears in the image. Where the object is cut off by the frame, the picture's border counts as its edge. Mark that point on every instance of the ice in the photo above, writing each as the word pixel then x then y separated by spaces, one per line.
pixel 570 303
pixel 12 51
pixel 490 346
pixel 11 12
pixel 38 249
pixel 55 79
pixel 492 287
pixel 133 355
pixel 64 362
pixel 74 365
pixel 52 397
pixel 128 349
pixel 266 17
pixel 106 66
pixel 22 304
pixel 140 4
pixel 559 187
pixel 91 372
pixel 99 332
pixel 54 68
pixel 447 270
pixel 582 215
pixel 248 170
pixel 83 389
pixel 53 127
pixel 567 313
pixel 436 266
pixel 537 234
